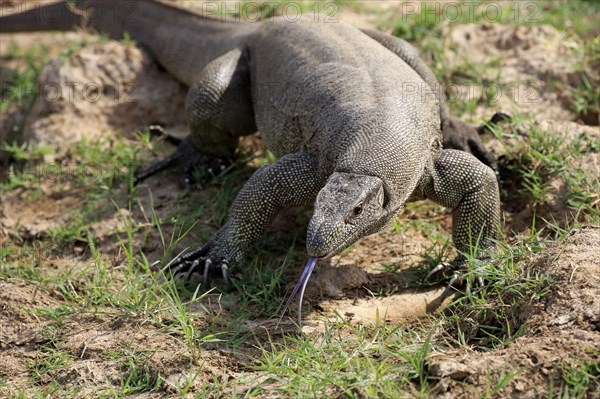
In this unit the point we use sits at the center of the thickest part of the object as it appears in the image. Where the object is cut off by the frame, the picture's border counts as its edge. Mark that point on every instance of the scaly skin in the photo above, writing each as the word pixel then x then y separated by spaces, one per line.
pixel 335 105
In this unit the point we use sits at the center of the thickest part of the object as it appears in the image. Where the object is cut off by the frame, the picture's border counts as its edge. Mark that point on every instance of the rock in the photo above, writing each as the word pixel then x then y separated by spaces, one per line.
pixel 332 281
pixel 559 321
pixel 582 335
pixel 449 369
pixel 103 87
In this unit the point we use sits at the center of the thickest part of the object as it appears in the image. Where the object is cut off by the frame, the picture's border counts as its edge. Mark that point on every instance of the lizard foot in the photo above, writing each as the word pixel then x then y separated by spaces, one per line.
pixel 190 161
pixel 457 279
pixel 221 256
pixel 200 261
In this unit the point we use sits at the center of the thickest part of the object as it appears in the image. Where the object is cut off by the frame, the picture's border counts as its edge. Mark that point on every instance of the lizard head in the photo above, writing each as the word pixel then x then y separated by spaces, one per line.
pixel 349 207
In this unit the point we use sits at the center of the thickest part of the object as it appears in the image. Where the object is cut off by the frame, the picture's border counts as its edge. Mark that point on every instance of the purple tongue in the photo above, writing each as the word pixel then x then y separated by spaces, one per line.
pixel 301 283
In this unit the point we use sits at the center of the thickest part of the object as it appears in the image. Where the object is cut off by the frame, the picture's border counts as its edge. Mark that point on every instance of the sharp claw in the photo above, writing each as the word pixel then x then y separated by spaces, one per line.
pixel 450 286
pixel 156 130
pixel 436 270
pixel 157 167
pixel 207 264
pixel 467 287
pixel 189 263
pixel 481 282
pixel 457 279
pixel 193 267
pixel 188 260
pixel 226 276
pixel 187 183
pixel 175 270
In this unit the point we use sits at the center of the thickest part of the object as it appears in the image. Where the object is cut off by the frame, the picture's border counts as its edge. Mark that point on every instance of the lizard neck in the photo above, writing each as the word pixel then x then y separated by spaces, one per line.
pixel 398 159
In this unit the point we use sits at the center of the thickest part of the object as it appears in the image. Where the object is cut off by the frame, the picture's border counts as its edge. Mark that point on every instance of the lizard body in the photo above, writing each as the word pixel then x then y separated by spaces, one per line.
pixel 336 105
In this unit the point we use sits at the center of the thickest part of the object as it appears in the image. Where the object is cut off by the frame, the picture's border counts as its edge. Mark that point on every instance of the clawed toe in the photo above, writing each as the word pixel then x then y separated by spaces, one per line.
pixel 443 268
pixel 226 275
pixel 177 269
pixel 457 279
pixel 480 282
pixel 187 263
pixel 216 166
pixel 191 270
pixel 156 167
pixel 205 276
pixel 190 263
pixel 190 161
pixel 206 167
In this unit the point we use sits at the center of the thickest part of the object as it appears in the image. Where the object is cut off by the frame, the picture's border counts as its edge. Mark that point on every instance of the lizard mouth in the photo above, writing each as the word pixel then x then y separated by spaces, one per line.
pixel 329 255
pixel 332 253
pixel 325 257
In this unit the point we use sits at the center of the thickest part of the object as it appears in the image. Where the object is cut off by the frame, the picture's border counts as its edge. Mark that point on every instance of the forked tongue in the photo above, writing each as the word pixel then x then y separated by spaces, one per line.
pixel 300 284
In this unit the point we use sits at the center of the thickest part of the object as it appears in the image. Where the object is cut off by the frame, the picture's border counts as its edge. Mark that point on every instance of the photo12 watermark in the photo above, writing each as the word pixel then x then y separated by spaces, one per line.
pixel 522 12
pixel 63 173
pixel 69 91
pixel 326 12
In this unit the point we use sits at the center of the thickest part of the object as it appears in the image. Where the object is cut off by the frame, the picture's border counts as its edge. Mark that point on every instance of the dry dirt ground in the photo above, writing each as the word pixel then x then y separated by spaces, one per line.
pixel 558 330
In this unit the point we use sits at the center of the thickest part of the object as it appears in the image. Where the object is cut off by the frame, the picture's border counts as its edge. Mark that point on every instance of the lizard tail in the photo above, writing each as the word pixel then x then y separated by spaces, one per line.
pixel 52 17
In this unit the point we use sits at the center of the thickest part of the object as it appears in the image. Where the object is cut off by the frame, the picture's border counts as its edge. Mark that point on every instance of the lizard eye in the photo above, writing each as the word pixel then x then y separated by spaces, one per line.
pixel 358 209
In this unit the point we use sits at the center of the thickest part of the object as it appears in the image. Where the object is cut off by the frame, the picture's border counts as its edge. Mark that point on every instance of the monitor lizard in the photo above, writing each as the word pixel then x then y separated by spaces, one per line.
pixel 355 118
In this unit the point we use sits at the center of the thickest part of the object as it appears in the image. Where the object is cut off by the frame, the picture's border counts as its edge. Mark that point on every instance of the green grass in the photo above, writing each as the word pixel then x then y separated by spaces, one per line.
pixel 586 101
pixel 348 361
pixel 427 27
pixel 18 95
pixel 581 380
pixel 54 389
pixel 101 165
pixel 49 358
pixel 494 315
pixel 578 16
pixel 22 89
pixel 536 158
pixel 137 375
pixel 343 360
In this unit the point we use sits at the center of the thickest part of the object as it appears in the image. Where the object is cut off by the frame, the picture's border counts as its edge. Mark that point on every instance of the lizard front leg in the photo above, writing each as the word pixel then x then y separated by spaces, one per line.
pixel 459 181
pixel 292 181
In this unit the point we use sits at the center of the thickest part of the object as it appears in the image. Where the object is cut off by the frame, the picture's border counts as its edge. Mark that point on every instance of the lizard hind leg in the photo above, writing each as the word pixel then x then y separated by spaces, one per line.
pixel 220 110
